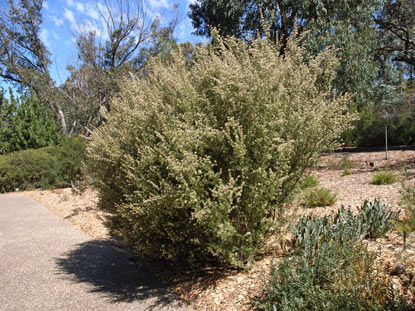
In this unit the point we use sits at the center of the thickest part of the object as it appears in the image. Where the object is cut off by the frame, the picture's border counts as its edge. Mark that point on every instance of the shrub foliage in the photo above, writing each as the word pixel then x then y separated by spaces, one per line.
pixel 195 159
pixel 52 166
pixel 330 268
pixel 25 123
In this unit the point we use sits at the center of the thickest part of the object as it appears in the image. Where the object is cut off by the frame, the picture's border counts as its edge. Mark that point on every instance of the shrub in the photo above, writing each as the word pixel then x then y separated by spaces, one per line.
pixel 339 276
pixel 371 220
pixel 330 269
pixel 375 219
pixel 319 198
pixel 53 166
pixel 383 178
pixel 370 129
pixel 309 182
pixel 25 123
pixel 346 172
pixel 193 161
pixel 408 205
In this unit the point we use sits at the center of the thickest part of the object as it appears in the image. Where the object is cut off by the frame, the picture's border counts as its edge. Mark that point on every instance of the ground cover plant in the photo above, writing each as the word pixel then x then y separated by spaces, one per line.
pixel 319 198
pixel 384 178
pixel 309 181
pixel 194 160
pixel 330 268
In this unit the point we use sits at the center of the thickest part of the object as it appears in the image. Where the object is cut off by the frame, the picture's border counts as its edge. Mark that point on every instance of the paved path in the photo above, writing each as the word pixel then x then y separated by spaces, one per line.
pixel 46 264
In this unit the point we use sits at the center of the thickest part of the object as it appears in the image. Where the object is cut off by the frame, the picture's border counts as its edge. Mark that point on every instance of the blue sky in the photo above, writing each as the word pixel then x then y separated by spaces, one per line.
pixel 64 20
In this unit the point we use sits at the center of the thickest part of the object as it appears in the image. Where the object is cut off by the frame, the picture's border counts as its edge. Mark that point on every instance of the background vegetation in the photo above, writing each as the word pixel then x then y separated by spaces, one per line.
pixel 53 166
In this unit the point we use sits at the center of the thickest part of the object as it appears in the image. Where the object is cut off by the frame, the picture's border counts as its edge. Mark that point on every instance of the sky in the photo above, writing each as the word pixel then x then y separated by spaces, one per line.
pixel 64 20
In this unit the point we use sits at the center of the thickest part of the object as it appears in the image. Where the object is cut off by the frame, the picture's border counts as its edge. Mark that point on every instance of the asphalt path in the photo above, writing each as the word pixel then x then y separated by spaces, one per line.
pixel 46 264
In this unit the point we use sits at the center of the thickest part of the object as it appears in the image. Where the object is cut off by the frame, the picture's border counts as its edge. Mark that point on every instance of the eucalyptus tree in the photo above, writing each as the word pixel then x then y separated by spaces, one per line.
pixel 129 36
pixel 347 25
pixel 24 59
pixel 121 48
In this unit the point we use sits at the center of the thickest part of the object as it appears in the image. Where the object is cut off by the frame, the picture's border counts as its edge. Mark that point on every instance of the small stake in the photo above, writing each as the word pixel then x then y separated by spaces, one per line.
pixel 404 239
pixel 386 142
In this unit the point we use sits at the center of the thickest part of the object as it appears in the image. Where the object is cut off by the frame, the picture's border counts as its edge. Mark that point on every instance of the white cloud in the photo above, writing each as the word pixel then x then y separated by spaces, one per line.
pixel 44 34
pixel 80 7
pixel 88 27
pixel 69 16
pixel 58 21
pixel 46 5
pixel 92 12
pixel 70 2
pixel 159 3
pixel 55 36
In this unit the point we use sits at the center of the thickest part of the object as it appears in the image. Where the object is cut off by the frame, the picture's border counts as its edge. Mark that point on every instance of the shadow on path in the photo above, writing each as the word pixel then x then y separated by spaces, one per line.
pixel 109 268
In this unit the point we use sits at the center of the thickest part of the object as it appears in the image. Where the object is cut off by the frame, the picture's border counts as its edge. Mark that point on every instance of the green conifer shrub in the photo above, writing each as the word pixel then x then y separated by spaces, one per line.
pixel 25 123
pixel 47 167
pixel 193 161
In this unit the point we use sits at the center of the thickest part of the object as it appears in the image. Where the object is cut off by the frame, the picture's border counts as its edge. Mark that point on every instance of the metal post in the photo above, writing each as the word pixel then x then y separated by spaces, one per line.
pixel 386 142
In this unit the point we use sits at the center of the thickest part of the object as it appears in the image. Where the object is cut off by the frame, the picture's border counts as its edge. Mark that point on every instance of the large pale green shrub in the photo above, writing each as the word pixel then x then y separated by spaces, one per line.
pixel 194 160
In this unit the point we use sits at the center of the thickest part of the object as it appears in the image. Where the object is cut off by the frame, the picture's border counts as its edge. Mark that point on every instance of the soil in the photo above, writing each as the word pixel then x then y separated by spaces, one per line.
pixel 214 289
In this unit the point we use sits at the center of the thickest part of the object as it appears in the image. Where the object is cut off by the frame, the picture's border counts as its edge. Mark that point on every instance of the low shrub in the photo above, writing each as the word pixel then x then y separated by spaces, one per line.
pixel 52 166
pixel 384 178
pixel 408 205
pixel 309 181
pixel 346 172
pixel 339 276
pixel 371 220
pixel 330 268
pixel 319 198
pixel 194 161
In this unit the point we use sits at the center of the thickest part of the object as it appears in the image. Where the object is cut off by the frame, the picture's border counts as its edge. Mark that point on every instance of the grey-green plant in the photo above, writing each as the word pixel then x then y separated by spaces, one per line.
pixel 330 268
pixel 194 161
pixel 371 220
pixel 339 276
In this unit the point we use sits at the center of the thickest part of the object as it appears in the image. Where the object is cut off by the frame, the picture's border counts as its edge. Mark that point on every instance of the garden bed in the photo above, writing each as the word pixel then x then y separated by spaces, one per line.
pixel 212 289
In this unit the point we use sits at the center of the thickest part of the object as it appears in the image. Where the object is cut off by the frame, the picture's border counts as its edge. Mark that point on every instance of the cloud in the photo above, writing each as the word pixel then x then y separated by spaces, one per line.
pixel 44 34
pixel 80 7
pixel 69 16
pixel 58 21
pixel 92 12
pixel 55 36
pixel 46 5
pixel 90 27
pixel 159 3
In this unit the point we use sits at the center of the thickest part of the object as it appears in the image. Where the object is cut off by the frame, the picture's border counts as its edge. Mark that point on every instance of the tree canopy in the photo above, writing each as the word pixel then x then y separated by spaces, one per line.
pixel 80 102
